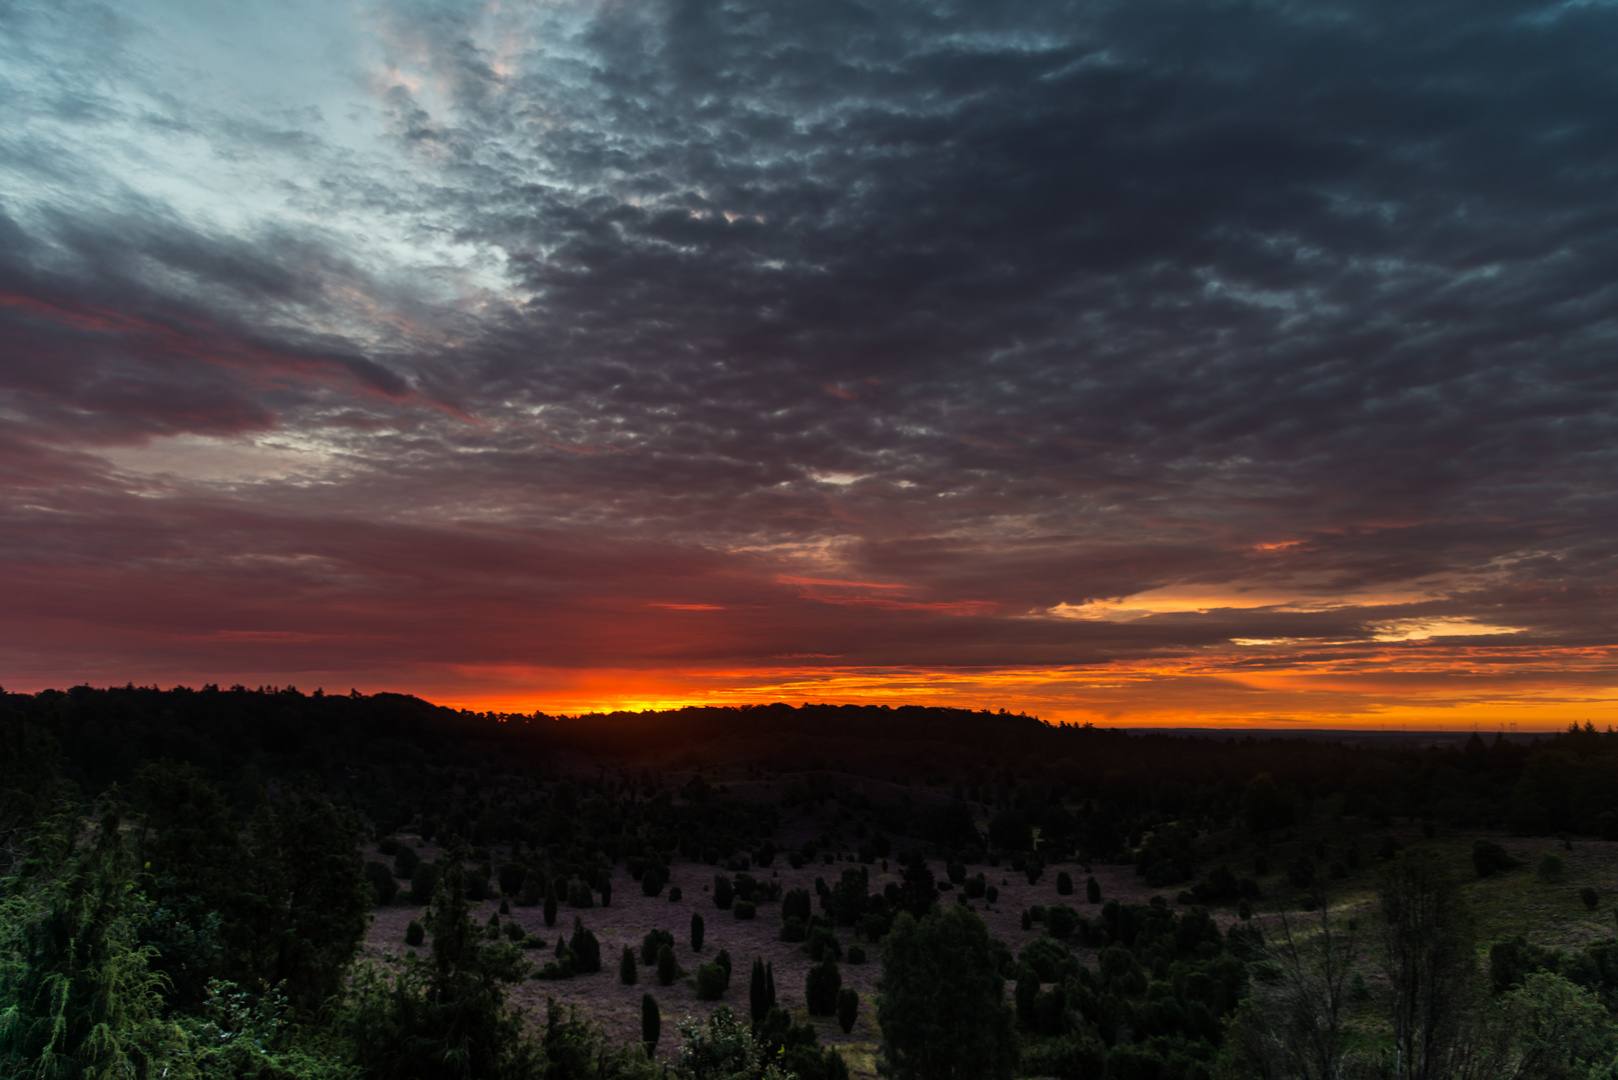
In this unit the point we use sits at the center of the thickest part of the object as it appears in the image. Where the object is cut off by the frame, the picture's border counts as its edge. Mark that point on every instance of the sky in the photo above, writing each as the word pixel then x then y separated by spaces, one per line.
pixel 1130 363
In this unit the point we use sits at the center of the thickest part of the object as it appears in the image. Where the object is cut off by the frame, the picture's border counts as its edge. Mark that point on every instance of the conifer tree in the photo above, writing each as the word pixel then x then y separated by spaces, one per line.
pixel 668 968
pixel 626 967
pixel 848 1008
pixel 696 932
pixel 306 862
pixel 77 995
pixel 444 1017
pixel 941 1000
pixel 651 1020
pixel 758 1000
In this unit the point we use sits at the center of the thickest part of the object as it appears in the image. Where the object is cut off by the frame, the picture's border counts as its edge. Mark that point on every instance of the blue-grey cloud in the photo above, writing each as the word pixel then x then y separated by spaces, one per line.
pixel 1011 308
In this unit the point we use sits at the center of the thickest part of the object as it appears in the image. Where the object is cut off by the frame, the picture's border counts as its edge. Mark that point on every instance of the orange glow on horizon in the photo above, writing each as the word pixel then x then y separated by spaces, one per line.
pixel 1177 694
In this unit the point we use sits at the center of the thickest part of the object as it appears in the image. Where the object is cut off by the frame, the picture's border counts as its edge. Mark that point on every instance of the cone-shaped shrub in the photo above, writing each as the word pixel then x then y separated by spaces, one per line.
pixel 414 934
pixel 651 1019
pixel 848 1008
pixel 1064 884
pixel 382 881
pixel 723 892
pixel 649 945
pixel 821 986
pixel 533 889
pixel 651 882
pixel 626 967
pixel 723 960
pixel 586 949
pixel 795 904
pixel 710 982
pixel 697 929
pixel 758 1002
pixel 668 969
pixel 1092 890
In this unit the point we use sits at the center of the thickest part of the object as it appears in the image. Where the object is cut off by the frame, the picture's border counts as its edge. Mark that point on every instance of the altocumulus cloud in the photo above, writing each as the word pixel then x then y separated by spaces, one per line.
pixel 1120 359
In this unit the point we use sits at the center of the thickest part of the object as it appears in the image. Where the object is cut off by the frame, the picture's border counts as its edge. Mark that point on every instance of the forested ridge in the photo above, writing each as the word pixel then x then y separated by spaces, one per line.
pixel 188 879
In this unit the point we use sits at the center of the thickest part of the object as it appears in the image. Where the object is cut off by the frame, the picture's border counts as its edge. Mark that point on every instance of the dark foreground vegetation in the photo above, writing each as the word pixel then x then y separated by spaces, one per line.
pixel 272 885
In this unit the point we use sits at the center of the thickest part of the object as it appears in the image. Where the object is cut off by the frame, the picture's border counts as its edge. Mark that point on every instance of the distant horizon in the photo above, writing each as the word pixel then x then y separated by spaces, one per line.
pixel 1401 730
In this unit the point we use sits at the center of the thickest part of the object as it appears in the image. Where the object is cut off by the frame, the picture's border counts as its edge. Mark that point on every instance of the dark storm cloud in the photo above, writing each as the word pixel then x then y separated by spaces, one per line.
pixel 1004 306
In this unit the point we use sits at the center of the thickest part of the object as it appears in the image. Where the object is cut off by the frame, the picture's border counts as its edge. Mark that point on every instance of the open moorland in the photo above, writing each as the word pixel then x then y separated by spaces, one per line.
pixel 1157 905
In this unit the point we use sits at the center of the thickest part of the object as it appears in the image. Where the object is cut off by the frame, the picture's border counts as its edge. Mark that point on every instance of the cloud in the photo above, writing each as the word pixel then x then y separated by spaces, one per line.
pixel 1001 310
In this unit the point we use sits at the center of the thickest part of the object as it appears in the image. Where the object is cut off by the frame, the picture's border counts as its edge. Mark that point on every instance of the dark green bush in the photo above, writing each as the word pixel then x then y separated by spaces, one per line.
pixel 723 892
pixel 422 882
pixel 512 875
pixel 821 986
pixel 1489 858
pixel 580 895
pixel 651 882
pixel 991 894
pixel 1064 884
pixel 382 882
pixel 823 943
pixel 514 932
pixel 405 861
pixel 722 958
pixel 649 945
pixel 745 909
pixel 533 889
pixel 668 969
pixel 586 949
pixel 415 934
pixel 793 929
pixel 796 904
pixel 710 982
pixel 848 1008
pixel 1550 868
pixel 651 1021
pixel 697 929
pixel 1047 958
pixel 674 894
pixel 1590 897
pixel 1301 872
pixel 627 974
pixel 955 871
pixel 856 954
pixel 1092 890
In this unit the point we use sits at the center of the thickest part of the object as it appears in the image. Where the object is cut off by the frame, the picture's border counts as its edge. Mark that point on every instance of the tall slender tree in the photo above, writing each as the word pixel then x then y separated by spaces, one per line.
pixel 1427 955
